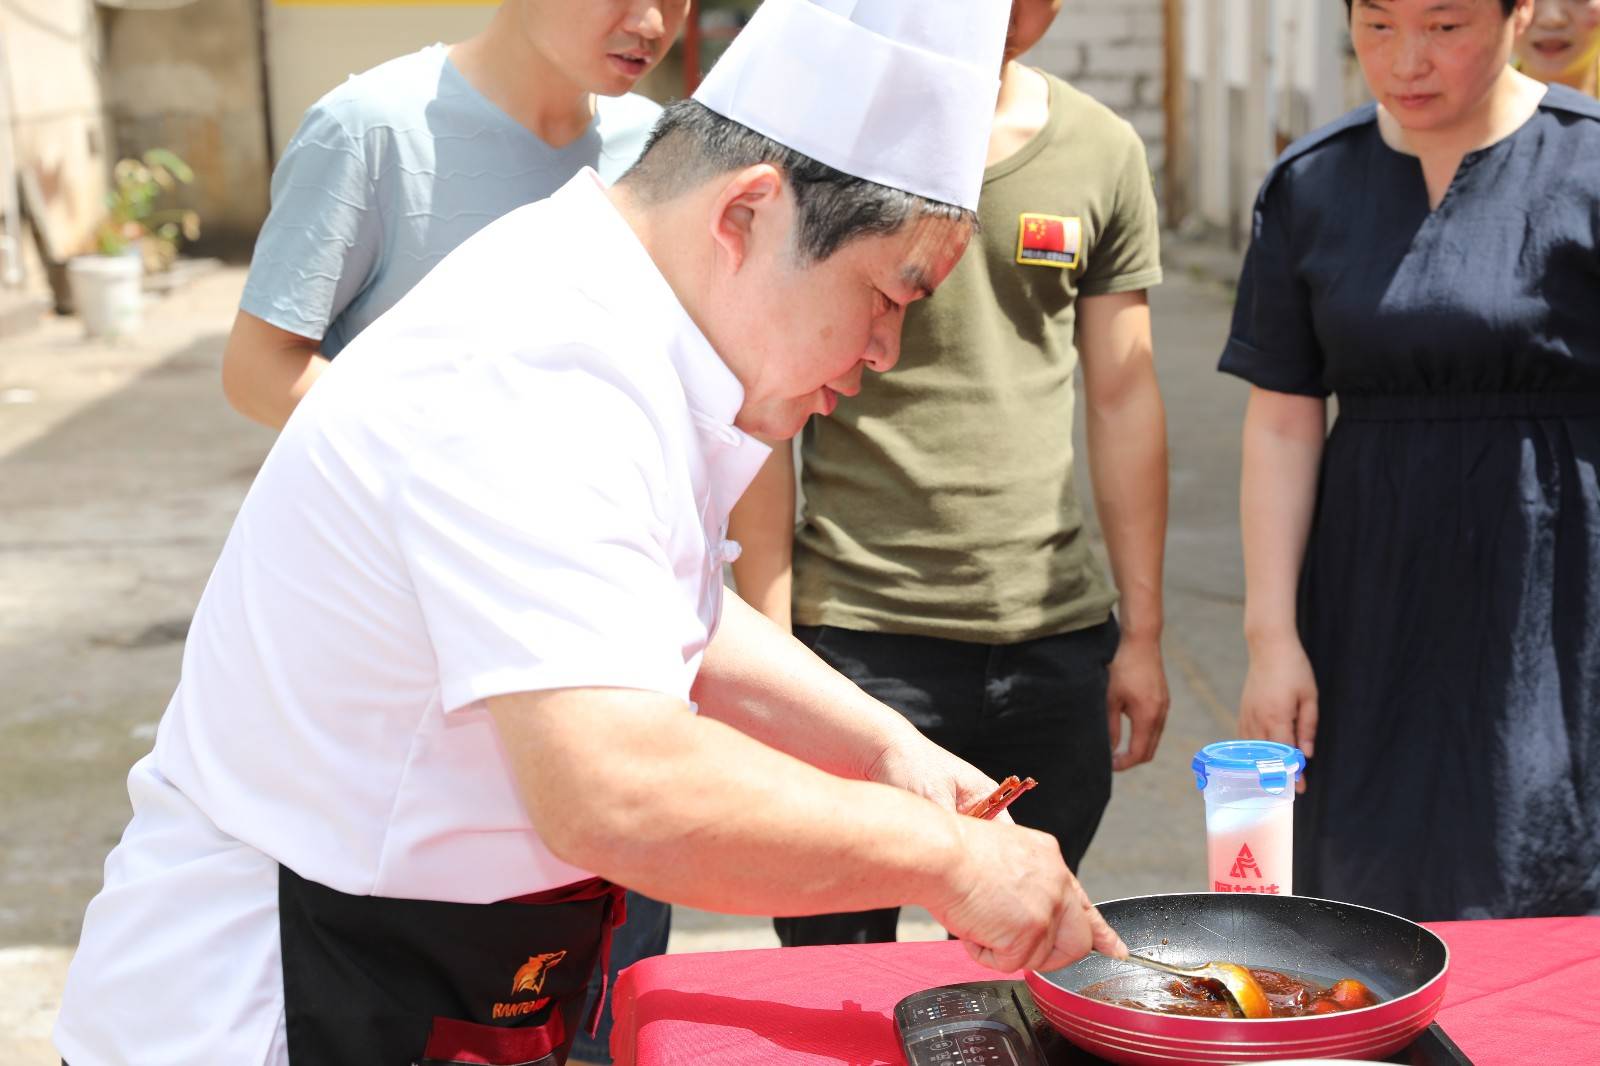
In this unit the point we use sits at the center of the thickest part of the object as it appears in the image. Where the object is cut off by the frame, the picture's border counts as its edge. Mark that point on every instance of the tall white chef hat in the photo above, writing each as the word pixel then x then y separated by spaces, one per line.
pixel 900 92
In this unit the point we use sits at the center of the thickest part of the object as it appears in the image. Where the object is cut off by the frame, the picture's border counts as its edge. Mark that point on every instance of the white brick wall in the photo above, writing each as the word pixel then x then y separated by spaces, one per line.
pixel 1113 50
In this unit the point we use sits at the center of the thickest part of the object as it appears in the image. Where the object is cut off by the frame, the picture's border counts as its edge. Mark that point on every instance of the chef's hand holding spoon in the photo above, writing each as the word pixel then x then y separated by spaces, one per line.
pixel 1009 895
pixel 1014 903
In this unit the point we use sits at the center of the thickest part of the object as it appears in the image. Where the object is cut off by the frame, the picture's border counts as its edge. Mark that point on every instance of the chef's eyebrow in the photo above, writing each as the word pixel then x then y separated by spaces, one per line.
pixel 916 279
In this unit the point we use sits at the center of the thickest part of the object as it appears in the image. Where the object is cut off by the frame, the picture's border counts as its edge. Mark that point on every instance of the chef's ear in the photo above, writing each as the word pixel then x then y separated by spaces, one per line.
pixel 745 210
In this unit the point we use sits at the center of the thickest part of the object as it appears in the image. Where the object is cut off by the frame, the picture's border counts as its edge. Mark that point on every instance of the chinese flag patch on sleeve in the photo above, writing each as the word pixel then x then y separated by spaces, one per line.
pixel 1049 240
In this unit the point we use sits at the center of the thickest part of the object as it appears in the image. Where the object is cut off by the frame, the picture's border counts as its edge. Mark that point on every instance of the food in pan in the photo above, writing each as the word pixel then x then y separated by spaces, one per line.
pixel 1290 996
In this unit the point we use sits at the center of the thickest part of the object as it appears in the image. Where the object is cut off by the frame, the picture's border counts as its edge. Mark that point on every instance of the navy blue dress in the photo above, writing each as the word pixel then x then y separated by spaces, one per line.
pixel 1450 594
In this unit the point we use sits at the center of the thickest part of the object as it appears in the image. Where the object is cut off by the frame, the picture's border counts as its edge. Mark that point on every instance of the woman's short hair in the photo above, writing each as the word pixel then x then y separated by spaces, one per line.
pixel 692 144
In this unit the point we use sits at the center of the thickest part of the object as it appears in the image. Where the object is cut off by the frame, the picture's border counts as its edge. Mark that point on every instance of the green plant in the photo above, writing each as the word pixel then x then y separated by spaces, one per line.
pixel 133 218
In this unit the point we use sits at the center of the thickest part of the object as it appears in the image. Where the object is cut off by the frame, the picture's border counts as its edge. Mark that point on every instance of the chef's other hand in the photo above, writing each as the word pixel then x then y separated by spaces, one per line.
pixel 916 764
pixel 1280 696
pixel 1017 906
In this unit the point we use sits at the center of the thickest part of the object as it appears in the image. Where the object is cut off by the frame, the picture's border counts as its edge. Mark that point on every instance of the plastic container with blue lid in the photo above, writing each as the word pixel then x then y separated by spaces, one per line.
pixel 1266 761
pixel 1249 792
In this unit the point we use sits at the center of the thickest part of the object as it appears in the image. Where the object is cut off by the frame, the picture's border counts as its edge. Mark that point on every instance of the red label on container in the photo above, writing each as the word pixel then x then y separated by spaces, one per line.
pixel 1245 865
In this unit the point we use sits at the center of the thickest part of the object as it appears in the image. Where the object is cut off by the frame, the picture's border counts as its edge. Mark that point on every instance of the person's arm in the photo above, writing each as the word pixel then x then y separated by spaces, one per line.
pixel 761 681
pixel 763 524
pixel 686 809
pixel 1283 440
pixel 316 253
pixel 1127 437
pixel 571 634
pixel 266 370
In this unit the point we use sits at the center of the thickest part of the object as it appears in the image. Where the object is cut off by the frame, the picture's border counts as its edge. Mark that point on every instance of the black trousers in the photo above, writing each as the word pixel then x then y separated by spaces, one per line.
pixel 1035 709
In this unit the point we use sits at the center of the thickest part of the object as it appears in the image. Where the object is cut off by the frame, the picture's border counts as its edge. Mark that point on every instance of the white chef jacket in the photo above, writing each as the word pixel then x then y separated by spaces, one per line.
pixel 517 480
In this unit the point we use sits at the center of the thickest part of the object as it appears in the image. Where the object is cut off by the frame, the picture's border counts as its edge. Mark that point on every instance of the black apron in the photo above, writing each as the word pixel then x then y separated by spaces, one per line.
pixel 370 981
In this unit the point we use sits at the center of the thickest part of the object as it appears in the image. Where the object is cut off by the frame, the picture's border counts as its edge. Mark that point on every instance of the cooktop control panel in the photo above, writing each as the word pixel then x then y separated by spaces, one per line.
pixel 983 1023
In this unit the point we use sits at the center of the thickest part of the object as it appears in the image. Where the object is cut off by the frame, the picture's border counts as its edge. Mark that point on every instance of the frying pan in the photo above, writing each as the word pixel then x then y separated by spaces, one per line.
pixel 1402 962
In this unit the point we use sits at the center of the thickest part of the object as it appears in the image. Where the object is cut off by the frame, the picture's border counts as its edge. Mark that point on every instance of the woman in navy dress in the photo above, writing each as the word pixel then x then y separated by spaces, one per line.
pixel 1423 582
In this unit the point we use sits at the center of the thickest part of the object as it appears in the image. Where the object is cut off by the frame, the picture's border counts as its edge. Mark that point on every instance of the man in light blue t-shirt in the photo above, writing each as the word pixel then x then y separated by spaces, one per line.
pixel 392 170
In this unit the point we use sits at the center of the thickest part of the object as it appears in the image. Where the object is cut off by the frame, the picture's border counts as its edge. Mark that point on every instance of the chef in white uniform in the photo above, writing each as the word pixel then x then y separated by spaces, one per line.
pixel 438 699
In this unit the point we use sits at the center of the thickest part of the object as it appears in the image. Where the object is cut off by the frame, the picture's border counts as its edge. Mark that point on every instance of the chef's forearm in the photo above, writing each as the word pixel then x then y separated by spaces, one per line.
pixel 684 808
pixel 766 684
pixel 1283 442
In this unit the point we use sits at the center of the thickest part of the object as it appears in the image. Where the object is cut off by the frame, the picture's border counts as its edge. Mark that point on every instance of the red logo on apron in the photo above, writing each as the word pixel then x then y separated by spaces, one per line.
pixel 1245 865
pixel 530 977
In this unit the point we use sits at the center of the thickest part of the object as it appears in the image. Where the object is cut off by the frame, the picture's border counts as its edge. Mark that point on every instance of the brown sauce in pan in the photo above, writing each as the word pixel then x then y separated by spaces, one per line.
pixel 1290 996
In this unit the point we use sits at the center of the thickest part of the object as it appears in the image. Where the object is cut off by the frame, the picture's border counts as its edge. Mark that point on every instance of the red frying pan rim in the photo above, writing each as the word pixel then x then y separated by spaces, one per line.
pixel 1386 1005
pixel 1397 1032
pixel 1191 1056
pixel 1240 1053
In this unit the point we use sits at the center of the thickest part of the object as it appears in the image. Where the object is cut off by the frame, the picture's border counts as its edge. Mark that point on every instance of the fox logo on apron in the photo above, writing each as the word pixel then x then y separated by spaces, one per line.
pixel 530 977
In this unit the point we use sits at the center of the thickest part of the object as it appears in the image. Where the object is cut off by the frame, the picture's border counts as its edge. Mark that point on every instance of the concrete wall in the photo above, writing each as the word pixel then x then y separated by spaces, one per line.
pixel 48 55
pixel 1261 73
pixel 313 45
pixel 189 79
pixel 1114 51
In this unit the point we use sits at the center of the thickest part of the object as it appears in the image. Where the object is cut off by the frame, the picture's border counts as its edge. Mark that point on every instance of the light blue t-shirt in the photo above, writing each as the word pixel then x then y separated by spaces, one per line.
pixel 392 170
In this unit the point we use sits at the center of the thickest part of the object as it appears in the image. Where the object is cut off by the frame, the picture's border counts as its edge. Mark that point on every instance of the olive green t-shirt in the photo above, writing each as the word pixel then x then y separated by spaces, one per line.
pixel 941 501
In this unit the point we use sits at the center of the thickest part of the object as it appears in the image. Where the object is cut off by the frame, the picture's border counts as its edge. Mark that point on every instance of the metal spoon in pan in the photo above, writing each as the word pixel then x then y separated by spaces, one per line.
pixel 1240 990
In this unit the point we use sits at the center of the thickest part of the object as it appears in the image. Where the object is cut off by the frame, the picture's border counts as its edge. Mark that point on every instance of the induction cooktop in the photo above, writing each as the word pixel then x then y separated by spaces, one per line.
pixel 996 1023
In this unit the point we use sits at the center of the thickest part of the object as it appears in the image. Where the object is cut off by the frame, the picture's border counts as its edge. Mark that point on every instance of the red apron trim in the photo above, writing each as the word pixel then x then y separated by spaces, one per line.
pixel 452 1040
pixel 576 892
pixel 616 914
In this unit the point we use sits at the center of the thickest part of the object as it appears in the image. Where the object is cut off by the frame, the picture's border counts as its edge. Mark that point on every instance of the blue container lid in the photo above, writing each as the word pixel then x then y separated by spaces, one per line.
pixel 1274 764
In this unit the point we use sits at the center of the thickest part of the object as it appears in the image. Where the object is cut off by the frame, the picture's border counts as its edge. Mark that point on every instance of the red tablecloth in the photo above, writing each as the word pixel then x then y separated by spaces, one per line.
pixel 1520 992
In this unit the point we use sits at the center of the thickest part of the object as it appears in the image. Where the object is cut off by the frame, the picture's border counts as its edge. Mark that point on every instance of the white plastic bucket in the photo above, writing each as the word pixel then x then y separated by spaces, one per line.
pixel 107 293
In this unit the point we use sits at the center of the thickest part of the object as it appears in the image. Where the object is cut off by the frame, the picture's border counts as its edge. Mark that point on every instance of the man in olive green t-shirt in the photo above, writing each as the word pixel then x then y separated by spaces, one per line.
pixel 942 561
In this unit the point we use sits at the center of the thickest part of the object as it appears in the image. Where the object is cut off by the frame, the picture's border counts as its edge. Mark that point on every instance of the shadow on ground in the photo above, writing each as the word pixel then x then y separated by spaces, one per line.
pixel 110 525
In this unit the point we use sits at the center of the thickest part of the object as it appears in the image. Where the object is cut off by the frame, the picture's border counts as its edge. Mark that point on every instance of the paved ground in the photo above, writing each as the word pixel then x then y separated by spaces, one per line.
pixel 120 470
